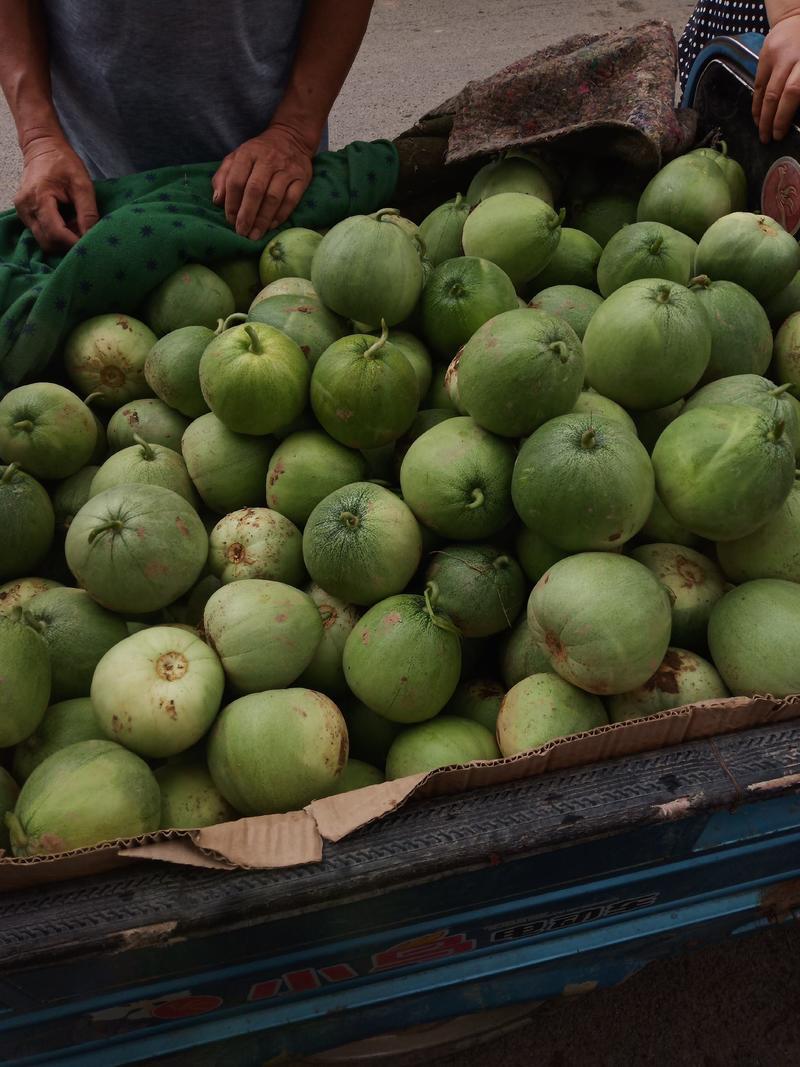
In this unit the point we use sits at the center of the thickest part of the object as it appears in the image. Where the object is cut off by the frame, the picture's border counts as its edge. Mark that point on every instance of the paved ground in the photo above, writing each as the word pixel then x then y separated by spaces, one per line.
pixel 733 1006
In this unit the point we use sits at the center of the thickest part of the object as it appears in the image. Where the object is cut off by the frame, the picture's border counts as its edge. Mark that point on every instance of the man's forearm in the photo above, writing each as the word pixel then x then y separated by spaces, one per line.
pixel 24 69
pixel 330 36
pixel 781 9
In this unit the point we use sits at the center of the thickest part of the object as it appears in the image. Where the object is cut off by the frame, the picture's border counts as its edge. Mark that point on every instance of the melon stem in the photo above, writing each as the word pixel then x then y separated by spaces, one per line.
pixel 501 563
pixel 90 399
pixel 351 520
pixel 113 524
pixel 442 621
pixel 220 327
pixel 655 245
pixel 588 438
pixel 147 449
pixel 780 389
pixel 664 293
pixel 255 344
pixel 458 201
pixel 234 319
pixel 560 349
pixel 431 595
pixel 553 224
pixel 9 473
pixel 379 215
pixel 24 424
pixel 777 430
pixel 478 499
pixel 700 279
pixel 373 349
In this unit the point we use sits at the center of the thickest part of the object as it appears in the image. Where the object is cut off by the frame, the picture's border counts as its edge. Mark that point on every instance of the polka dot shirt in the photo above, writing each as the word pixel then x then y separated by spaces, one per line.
pixel 717 18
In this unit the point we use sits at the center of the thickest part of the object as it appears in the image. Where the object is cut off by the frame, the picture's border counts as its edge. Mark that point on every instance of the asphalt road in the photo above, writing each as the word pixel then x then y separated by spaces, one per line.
pixel 736 1005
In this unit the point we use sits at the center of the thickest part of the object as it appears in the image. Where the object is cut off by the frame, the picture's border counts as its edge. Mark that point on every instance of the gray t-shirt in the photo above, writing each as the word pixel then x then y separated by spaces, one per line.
pixel 140 84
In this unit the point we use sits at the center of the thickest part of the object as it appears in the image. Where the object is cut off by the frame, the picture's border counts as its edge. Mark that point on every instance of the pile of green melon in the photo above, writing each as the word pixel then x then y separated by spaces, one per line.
pixel 436 493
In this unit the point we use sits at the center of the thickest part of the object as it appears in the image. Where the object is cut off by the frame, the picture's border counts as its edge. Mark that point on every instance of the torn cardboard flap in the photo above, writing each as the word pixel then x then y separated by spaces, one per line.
pixel 298 837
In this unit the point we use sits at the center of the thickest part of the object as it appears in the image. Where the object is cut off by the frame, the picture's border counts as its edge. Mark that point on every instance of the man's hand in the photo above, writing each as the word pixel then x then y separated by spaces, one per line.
pixel 53 175
pixel 777 87
pixel 261 182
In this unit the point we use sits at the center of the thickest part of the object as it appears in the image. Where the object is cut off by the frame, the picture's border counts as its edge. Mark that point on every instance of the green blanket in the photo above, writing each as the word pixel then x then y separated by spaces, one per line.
pixel 151 225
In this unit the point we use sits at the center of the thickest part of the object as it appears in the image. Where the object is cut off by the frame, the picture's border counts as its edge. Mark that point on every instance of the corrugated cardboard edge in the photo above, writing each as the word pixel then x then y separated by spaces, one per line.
pixel 273 841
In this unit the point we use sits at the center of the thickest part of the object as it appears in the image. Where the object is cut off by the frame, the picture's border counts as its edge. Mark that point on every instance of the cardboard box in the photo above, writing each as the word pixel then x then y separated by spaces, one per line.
pixel 272 841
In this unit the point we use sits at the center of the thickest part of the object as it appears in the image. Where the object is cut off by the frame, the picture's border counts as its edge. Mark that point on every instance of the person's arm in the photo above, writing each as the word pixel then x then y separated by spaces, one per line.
pixel 777 87
pixel 262 181
pixel 52 173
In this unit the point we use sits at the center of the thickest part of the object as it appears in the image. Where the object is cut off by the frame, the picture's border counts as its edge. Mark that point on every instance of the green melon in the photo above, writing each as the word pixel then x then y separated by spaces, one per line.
pixel 543 708
pixel 521 655
pixel 519 233
pixel 787 353
pixel 294 286
pixel 105 356
pixel 417 355
pixel 63 724
pixel 662 528
pixel 438 396
pixel 590 402
pixel 9 791
pixel 368 270
pixel 723 470
pixel 325 671
pixel 358 775
pixel 307 321
pixel 289 255
pixel 84 794
pixel 403 659
pixel 78 633
pixel 511 174
pixel 423 421
pixel 371 735
pixel 158 691
pixel 189 798
pixel 444 742
pixel 648 345
pixel 584 483
pixel 756 392
pixel 242 278
pixel 277 751
pixel 690 193
pixel 441 230
pixel 770 551
pixel 601 215
pixel 46 429
pixel 646 250
pixel 733 172
pixel 574 262
pixel 695 583
pixel 362 543
pixel 683 678
pixel 519 370
pixel 24 680
pixel 754 637
pixel 229 470
pixel 478 699
pixel 28 522
pixel 741 336
pixel 752 250
pixel 145 464
pixel 193 296
pixel 571 303
pixel 256 543
pixel 70 495
pixel 604 621
pixel 136 548
pixel 459 297
pixel 172 369
pixel 18 593
pixel 784 303
pixel 265 633
pixel 364 392
pixel 456 478
pixel 305 468
pixel 479 587
pixel 535 553
pixel 149 419
pixel 254 378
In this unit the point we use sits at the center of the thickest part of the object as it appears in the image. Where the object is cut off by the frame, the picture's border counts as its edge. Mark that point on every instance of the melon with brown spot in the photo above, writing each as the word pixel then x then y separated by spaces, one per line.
pixel 158 691
pixel 189 798
pixel 752 250
pixel 325 671
pixel 256 543
pixel 305 468
pixel 695 583
pixel 603 620
pixel 479 700
pixel 278 750
pixel 105 355
pixel 46 429
pixel 683 678
pixel 543 708
pixel 307 321
pixel 150 419
pixel 18 593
